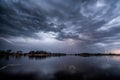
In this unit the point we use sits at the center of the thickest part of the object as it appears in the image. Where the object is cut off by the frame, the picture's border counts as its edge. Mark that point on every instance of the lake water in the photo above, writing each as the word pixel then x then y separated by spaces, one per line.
pixel 60 68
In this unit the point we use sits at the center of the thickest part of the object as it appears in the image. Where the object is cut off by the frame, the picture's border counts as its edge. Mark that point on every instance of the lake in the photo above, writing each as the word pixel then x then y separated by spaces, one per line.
pixel 60 68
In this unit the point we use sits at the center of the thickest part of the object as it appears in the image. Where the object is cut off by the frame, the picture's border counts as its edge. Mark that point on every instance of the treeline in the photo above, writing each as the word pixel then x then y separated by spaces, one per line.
pixel 37 53
pixel 43 54
pixel 97 54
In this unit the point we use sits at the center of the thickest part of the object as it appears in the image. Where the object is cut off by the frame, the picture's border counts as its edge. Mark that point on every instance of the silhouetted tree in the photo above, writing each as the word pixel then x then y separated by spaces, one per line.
pixel 19 52
pixel 9 51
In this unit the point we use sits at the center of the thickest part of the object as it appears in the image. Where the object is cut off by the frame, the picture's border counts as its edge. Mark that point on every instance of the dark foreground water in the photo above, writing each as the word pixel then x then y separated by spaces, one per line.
pixel 60 68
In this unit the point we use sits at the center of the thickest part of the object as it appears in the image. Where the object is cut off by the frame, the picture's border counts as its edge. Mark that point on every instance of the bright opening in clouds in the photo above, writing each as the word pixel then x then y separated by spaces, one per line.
pixel 100 3
pixel 60 25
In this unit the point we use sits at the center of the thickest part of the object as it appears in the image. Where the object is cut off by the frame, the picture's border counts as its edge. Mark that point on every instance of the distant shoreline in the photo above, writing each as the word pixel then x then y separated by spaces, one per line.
pixel 43 54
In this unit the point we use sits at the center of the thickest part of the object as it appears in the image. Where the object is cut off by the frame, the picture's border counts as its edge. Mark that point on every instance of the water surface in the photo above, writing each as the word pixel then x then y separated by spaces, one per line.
pixel 61 68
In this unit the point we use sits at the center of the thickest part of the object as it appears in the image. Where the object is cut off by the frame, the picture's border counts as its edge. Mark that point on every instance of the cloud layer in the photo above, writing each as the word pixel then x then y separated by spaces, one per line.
pixel 64 25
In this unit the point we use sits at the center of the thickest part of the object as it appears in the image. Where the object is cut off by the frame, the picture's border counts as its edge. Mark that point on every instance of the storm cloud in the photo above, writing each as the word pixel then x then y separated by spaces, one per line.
pixel 60 25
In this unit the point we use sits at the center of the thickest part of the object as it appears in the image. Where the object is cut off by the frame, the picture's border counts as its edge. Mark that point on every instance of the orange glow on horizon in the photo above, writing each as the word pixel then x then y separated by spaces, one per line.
pixel 115 51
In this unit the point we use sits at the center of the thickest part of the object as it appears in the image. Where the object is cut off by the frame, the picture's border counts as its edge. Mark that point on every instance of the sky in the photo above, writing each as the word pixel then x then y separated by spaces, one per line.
pixel 69 26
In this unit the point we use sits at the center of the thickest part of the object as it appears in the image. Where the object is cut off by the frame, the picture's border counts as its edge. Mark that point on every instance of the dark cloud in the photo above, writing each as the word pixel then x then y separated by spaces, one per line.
pixel 89 22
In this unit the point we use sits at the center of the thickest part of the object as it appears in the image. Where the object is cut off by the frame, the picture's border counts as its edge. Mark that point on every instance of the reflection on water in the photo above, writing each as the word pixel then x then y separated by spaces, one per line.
pixel 61 68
